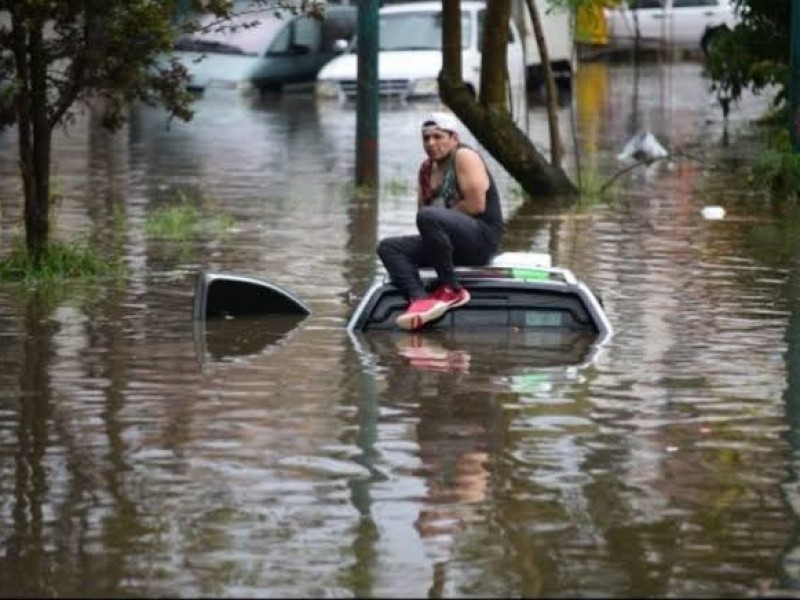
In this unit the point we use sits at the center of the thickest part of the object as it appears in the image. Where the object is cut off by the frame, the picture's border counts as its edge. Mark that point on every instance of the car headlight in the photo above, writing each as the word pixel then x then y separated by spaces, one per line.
pixel 327 89
pixel 427 86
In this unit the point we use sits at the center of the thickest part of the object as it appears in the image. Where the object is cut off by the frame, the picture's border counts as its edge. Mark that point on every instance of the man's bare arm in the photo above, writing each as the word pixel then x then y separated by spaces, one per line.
pixel 473 181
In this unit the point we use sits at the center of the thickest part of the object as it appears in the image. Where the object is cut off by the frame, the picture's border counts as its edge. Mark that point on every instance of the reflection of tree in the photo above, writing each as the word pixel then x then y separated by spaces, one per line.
pixel 70 495
pixel 527 223
pixel 359 269
pixel 362 239
pixel 24 569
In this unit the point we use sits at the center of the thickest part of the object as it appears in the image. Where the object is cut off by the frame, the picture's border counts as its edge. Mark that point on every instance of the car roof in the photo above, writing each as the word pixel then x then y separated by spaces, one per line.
pixel 428 6
pixel 254 40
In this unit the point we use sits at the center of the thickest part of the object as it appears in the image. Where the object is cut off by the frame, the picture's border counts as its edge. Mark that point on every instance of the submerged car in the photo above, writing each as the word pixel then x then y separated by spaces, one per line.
pixel 283 51
pixel 410 54
pixel 520 291
pixel 680 24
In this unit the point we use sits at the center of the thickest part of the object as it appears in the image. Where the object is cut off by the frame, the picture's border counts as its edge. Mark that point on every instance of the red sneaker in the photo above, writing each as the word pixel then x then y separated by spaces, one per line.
pixel 420 312
pixel 452 297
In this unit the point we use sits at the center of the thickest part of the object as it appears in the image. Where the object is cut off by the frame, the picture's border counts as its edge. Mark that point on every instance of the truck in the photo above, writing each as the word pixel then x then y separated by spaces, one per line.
pixel 558 29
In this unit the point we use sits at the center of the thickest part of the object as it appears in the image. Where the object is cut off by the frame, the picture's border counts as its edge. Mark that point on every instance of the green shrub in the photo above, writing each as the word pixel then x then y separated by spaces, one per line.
pixel 777 168
pixel 60 261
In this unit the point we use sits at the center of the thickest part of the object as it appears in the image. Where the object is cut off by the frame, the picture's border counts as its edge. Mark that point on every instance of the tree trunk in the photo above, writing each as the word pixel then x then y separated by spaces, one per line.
pixel 489 120
pixel 34 131
pixel 556 151
pixel 493 50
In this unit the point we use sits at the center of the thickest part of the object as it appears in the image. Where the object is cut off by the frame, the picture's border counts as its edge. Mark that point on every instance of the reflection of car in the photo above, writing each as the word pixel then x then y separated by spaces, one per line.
pixel 410 53
pixel 514 352
pixel 283 51
pixel 6 105
pixel 672 23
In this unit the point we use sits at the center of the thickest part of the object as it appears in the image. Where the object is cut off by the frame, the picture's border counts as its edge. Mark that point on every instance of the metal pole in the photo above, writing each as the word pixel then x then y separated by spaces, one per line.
pixel 367 96
pixel 794 77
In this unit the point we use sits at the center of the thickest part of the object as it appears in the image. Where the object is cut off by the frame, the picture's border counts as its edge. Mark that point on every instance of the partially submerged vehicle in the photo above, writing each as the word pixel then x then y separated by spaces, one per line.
pixel 517 291
pixel 239 315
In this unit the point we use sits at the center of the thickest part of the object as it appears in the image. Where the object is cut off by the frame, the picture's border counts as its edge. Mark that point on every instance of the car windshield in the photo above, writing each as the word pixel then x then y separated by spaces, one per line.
pixel 417 31
pixel 236 36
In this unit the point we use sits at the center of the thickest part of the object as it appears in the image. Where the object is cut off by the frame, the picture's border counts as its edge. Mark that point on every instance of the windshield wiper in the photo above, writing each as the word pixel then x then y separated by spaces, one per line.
pixel 195 45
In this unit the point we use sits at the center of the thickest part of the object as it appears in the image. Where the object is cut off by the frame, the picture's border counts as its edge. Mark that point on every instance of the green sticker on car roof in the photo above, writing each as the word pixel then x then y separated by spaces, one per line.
pixel 530 274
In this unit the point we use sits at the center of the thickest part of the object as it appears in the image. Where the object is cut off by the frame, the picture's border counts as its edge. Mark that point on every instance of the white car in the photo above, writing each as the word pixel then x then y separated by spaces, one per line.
pixel 679 24
pixel 410 54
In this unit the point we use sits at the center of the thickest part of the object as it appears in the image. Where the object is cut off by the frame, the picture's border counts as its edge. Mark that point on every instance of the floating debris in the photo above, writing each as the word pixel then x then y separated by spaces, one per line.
pixel 643 147
pixel 713 212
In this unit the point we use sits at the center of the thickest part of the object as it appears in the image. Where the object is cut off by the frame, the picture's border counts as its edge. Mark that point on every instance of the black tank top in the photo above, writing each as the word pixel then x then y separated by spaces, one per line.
pixel 448 192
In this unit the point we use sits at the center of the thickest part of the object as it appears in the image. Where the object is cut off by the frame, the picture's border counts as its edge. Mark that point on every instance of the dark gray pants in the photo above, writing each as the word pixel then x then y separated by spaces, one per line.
pixel 447 237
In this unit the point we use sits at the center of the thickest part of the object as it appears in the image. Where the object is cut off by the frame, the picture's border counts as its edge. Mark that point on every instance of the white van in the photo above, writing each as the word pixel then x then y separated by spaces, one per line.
pixel 410 55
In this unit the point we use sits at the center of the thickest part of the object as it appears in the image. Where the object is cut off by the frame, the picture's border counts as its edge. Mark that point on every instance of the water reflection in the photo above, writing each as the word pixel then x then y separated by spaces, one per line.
pixel 224 339
pixel 139 457
pixel 24 560
pixel 462 392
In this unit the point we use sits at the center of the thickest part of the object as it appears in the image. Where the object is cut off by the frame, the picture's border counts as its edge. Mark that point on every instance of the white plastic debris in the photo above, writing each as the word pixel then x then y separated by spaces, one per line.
pixel 523 260
pixel 713 212
pixel 643 147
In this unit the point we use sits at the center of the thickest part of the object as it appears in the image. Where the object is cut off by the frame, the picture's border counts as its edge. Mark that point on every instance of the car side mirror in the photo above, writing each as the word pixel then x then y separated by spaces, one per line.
pixel 340 46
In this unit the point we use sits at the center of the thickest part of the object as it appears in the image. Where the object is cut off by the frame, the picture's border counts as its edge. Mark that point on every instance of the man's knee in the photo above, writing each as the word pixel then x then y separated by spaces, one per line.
pixel 429 216
pixel 384 247
pixel 388 246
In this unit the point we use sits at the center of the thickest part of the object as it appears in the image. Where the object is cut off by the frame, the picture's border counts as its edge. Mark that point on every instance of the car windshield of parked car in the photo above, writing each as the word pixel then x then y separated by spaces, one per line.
pixel 417 31
pixel 646 4
pixel 245 34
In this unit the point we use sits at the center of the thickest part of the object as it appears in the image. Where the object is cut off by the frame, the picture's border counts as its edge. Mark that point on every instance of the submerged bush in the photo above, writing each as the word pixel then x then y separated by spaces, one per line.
pixel 78 259
pixel 179 221
pixel 777 168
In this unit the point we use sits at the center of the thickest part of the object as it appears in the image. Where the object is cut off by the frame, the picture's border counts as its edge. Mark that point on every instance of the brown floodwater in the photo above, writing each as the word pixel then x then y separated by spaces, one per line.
pixel 146 454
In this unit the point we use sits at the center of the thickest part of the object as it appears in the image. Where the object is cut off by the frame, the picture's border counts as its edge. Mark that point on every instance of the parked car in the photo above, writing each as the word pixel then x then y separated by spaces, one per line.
pixel 410 54
pixel 283 52
pixel 679 24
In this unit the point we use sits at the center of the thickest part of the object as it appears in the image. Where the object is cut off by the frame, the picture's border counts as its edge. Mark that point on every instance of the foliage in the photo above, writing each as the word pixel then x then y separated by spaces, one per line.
pixel 179 221
pixel 60 261
pixel 777 168
pixel 755 53
pixel 592 188
pixel 59 56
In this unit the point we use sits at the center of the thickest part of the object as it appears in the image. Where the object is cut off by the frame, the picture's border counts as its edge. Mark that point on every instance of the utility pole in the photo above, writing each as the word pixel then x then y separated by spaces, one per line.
pixel 794 77
pixel 367 95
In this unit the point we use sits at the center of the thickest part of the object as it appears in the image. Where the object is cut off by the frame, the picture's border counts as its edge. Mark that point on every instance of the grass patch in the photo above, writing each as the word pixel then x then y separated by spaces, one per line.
pixel 182 220
pixel 592 188
pixel 60 261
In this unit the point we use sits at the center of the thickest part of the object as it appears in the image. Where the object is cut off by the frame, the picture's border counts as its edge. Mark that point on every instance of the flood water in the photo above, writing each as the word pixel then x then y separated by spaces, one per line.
pixel 144 454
